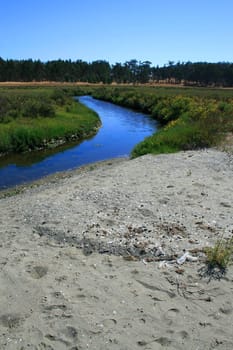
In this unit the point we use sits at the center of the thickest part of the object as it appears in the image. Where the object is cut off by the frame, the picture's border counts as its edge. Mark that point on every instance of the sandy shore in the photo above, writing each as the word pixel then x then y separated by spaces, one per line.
pixel 89 260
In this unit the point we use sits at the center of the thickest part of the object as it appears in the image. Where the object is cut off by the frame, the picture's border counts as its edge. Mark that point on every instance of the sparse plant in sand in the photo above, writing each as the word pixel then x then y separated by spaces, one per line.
pixel 221 254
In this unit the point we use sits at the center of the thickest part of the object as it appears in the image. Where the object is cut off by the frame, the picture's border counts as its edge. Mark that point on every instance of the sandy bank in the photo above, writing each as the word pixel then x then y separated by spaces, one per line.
pixel 88 261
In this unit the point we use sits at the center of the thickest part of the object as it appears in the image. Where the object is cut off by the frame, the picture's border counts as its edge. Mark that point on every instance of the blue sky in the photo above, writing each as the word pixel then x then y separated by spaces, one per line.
pixel 117 30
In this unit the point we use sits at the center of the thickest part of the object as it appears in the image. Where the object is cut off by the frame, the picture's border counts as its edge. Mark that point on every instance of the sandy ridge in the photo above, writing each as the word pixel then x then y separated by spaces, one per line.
pixel 78 262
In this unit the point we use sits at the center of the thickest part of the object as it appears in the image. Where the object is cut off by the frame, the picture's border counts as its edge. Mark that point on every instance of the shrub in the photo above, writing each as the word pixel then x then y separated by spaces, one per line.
pixel 34 108
pixel 221 254
pixel 59 96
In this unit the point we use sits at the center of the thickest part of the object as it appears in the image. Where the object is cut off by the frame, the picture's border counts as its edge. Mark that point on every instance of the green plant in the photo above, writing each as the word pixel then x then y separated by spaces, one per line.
pixel 221 254
pixel 32 119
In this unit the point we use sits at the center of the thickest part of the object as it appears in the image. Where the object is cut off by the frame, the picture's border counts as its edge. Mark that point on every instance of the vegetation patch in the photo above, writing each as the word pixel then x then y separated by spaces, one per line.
pixel 39 118
pixel 189 118
pixel 221 255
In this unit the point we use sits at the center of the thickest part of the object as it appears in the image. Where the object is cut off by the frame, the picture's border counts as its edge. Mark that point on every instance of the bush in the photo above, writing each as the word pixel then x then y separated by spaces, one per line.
pixel 220 255
pixel 34 108
pixel 59 97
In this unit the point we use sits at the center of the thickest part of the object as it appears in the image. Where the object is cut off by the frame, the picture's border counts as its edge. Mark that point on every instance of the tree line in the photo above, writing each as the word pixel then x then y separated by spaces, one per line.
pixel 131 72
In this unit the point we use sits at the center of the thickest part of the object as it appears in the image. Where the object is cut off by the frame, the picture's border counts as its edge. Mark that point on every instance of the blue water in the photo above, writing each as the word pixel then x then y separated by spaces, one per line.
pixel 121 130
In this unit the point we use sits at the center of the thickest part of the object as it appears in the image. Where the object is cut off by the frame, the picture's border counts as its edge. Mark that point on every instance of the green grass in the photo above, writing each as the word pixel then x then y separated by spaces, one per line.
pixel 160 91
pixel 187 132
pixel 190 118
pixel 40 118
pixel 27 134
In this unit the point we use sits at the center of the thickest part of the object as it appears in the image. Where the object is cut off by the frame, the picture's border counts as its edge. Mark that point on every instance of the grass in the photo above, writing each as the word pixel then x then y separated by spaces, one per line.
pixel 190 118
pixel 161 91
pixel 171 140
pixel 221 255
pixel 42 117
pixel 187 133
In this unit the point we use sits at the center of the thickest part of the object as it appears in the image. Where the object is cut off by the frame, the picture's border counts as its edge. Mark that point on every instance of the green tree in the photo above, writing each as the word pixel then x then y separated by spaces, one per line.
pixel 144 72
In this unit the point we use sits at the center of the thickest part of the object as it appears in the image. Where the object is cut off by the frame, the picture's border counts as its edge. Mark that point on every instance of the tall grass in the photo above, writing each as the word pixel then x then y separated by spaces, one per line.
pixel 39 119
pixel 190 118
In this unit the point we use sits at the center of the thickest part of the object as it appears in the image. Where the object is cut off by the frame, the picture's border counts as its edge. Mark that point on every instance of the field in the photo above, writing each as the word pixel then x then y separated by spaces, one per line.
pixel 34 116
pixel 190 118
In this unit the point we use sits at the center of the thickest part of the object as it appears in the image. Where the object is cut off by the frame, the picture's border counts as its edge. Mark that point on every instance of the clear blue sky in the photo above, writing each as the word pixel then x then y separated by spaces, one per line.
pixel 117 30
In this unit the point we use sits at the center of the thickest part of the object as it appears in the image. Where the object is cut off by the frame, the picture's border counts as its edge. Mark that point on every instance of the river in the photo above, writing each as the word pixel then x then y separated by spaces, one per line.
pixel 121 130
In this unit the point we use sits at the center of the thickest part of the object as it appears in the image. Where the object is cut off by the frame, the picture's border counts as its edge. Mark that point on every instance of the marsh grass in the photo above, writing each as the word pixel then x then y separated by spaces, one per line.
pixel 33 119
pixel 172 140
pixel 28 134
pixel 189 118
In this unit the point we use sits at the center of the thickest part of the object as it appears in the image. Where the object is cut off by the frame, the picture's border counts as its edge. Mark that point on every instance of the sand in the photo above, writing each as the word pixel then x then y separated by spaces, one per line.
pixel 88 260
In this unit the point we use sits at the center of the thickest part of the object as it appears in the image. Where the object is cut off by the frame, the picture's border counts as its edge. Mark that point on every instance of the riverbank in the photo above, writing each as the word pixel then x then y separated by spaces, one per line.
pixel 42 118
pixel 89 260
pixel 120 131
pixel 191 119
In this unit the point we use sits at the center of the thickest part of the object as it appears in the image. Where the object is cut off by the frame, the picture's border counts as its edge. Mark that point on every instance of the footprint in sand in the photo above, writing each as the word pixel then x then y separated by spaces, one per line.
pixel 11 320
pixel 171 316
pixel 40 346
pixel 183 335
pixel 66 336
pixel 70 332
pixel 164 341
pixel 37 272
pixel 43 346
pixel 109 322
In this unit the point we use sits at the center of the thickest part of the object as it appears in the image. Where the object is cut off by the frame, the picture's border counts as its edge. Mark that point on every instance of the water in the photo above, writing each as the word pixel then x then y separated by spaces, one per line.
pixel 121 130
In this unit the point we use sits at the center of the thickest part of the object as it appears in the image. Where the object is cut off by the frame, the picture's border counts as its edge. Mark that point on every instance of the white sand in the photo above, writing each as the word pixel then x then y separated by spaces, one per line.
pixel 60 286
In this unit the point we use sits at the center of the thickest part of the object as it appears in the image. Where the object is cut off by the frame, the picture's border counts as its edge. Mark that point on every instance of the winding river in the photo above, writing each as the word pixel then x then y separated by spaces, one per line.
pixel 121 130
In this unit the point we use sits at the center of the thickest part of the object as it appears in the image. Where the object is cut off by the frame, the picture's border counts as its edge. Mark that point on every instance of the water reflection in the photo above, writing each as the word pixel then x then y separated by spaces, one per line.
pixel 30 158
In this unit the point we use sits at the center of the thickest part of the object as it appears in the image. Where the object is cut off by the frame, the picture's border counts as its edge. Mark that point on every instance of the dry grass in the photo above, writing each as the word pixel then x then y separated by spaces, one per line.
pixel 221 254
